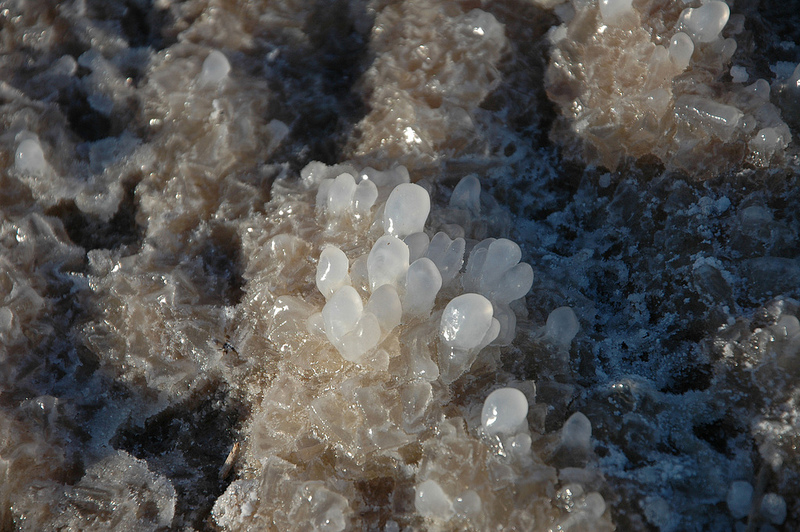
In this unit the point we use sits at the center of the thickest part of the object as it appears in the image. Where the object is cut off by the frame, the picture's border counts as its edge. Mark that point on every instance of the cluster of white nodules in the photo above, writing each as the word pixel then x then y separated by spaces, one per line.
pixel 431 502
pixel 29 158
pixel 584 508
pixel 215 69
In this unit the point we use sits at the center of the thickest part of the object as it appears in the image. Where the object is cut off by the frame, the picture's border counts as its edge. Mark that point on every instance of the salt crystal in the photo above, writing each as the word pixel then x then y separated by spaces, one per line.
pixel 340 195
pixel 332 271
pixel 740 496
pixel 364 197
pixel 417 245
pixel 504 412
pixel 576 434
pixel 466 321
pixel 447 254
pixel 562 326
pixel 613 10
pixel 423 282
pixel 681 49
pixel 385 304
pixel 514 284
pixel 387 262
pixel 215 69
pixel 342 312
pixel 706 22
pixel 432 502
pixel 406 210
pixel 739 74
pixel 468 504
pixel 773 508
pixel 467 195
pixel 30 157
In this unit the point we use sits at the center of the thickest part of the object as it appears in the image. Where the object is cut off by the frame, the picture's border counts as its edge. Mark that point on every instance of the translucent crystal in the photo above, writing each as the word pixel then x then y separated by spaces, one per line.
pixel 432 502
pixel 30 157
pixel 504 411
pixel 562 326
pixel 215 69
pixel 466 321
pixel 387 262
pixel 423 282
pixel 706 22
pixel 332 270
pixel 740 496
pixel 613 10
pixel 406 210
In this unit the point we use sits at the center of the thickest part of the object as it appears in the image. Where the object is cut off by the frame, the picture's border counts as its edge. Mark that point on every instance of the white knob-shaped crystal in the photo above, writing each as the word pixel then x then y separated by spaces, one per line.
pixel 740 496
pixel 417 245
pixel 466 321
pixel 385 304
pixel 406 210
pixel 387 262
pixel 706 22
pixel 215 69
pixel 30 157
pixel 504 411
pixel 576 434
pixel 681 49
pixel 340 194
pixel 423 282
pixel 562 326
pixel 448 255
pixel 342 312
pixel 467 195
pixel 332 271
pixel 613 10
pixel 364 196
pixel 432 502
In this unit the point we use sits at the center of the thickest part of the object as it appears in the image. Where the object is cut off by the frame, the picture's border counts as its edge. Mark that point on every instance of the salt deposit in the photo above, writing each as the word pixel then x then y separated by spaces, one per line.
pixel 504 412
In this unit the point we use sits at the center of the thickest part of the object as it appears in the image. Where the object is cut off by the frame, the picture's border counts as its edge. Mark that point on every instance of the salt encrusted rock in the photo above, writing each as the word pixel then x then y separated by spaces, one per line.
pixel 646 79
pixel 427 81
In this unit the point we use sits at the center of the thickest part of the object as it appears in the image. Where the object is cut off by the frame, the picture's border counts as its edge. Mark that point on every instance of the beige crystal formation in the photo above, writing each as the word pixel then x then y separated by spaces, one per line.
pixel 370 353
pixel 434 62
pixel 648 78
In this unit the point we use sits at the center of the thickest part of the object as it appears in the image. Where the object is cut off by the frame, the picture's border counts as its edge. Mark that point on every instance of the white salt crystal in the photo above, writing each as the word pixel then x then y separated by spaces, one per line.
pixel 384 303
pixel 342 312
pixel 519 445
pixel 773 508
pixel 423 282
pixel 417 245
pixel 740 496
pixel 466 321
pixel 432 502
pixel 215 69
pixel 681 49
pixel 467 195
pixel 447 254
pixel 562 326
pixel 594 504
pixel 332 271
pixel 613 10
pixel 406 210
pixel 364 197
pixel 30 157
pixel 759 88
pixel 468 504
pixel 340 194
pixel 706 22
pixel 739 74
pixel 472 276
pixel 504 412
pixel 576 434
pixel 387 262
pixel 358 342
pixel 501 256
pixel 514 284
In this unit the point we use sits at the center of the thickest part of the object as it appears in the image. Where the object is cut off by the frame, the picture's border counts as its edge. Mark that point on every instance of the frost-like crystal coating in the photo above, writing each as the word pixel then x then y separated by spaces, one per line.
pixel 466 321
pixel 706 22
pixel 562 326
pixel 215 69
pixel 432 502
pixel 406 210
pixel 332 271
pixel 387 262
pixel 423 282
pixel 30 157
pixel 504 411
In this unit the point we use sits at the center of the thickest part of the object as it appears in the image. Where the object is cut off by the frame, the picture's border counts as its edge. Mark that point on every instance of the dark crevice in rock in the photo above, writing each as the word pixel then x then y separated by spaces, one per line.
pixel 188 443
pixel 92 233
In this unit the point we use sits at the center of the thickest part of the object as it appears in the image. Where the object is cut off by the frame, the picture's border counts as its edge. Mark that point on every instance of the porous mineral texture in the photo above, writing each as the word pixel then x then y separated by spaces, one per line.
pixel 399 265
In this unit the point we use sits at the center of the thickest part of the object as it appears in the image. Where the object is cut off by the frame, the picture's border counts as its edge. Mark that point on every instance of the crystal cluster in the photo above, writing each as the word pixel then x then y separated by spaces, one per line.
pixel 648 79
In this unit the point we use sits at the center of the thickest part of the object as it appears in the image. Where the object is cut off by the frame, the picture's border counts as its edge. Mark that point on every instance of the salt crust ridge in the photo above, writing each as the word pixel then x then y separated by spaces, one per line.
pixel 647 79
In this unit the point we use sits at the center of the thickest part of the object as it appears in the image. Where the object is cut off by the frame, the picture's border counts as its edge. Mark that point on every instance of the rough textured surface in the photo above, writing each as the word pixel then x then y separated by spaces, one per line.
pixel 187 186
